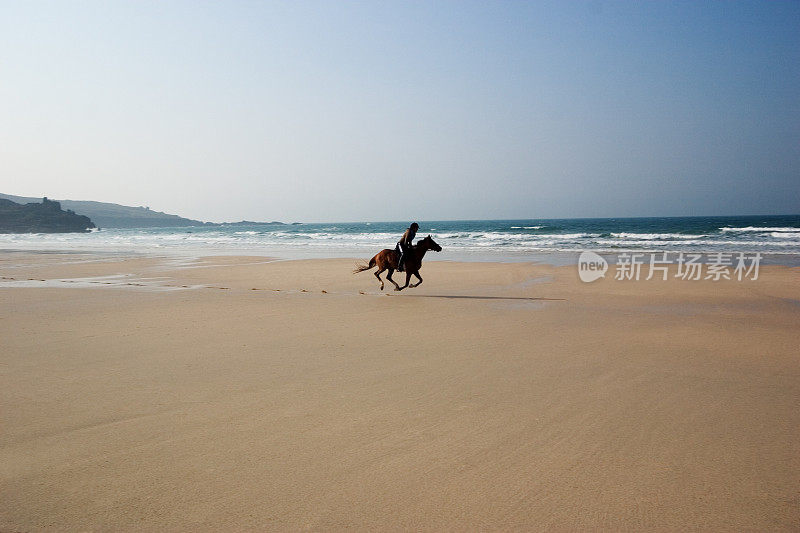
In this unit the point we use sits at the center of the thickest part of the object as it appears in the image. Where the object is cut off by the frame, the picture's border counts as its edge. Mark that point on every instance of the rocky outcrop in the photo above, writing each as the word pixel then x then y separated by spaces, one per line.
pixel 107 215
pixel 46 217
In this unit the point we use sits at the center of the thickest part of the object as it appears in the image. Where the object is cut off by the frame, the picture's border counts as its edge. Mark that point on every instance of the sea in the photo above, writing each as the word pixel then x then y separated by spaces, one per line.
pixel 776 237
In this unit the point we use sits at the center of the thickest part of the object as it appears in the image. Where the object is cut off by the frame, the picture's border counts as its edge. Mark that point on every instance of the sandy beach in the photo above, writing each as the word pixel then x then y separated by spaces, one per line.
pixel 242 393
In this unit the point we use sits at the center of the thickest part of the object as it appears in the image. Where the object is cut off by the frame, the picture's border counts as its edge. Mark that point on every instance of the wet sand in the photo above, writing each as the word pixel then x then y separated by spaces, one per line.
pixel 232 393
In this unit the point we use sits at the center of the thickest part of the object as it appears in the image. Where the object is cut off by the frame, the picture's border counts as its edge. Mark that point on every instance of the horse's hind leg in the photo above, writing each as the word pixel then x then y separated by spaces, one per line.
pixel 419 278
pixel 389 277
pixel 378 275
pixel 408 278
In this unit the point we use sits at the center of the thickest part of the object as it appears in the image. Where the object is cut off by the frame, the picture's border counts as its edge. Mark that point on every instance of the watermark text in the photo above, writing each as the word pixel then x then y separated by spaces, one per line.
pixel 635 266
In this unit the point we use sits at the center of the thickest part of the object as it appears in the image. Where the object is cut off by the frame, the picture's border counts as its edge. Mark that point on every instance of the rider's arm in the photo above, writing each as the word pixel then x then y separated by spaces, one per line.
pixel 407 238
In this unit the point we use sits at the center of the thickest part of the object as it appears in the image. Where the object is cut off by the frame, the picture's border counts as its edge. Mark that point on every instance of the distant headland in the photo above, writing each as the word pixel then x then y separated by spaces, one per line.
pixel 108 215
pixel 40 217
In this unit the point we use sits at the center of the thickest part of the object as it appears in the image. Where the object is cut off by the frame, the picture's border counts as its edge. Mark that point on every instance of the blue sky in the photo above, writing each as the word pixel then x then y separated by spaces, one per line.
pixel 325 111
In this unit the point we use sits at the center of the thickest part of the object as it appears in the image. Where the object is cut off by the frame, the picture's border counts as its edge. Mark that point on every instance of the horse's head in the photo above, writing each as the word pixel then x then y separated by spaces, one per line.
pixel 429 244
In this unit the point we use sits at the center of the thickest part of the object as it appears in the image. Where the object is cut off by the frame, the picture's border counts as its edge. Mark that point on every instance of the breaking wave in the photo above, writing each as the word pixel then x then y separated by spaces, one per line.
pixel 780 235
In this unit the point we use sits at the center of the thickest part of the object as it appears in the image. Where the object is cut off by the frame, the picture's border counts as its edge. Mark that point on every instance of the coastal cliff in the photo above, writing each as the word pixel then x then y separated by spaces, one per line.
pixel 107 215
pixel 45 217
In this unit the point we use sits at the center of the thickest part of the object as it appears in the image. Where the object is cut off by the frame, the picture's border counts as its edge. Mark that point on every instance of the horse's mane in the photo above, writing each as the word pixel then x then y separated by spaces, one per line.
pixel 419 242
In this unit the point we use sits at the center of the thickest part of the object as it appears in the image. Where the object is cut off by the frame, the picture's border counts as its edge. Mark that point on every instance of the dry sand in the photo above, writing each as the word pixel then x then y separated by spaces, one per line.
pixel 539 402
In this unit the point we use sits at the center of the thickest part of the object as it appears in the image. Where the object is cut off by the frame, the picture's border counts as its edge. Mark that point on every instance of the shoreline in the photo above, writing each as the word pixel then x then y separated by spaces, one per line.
pixel 553 258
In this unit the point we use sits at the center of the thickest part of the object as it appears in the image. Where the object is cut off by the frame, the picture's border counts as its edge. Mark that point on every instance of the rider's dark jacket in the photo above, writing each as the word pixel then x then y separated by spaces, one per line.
pixel 406 239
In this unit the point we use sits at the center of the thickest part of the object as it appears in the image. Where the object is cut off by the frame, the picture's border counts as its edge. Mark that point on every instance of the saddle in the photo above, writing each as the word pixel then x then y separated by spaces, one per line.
pixel 400 258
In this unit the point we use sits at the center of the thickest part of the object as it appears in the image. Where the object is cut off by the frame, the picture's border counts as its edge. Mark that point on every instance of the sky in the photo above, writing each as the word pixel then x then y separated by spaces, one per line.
pixel 429 110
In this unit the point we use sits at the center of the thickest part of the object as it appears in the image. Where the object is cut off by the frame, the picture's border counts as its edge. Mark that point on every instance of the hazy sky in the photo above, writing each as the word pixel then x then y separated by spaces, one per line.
pixel 348 111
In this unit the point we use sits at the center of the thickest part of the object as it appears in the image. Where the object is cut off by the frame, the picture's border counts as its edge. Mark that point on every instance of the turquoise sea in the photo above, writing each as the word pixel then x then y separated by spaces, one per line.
pixel 461 239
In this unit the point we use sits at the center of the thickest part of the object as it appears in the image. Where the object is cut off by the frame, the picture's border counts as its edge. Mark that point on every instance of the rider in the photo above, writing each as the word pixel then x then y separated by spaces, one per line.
pixel 404 244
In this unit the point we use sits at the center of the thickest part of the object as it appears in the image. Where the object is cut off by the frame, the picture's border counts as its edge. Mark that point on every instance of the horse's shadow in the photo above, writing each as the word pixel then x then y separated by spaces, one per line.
pixel 469 297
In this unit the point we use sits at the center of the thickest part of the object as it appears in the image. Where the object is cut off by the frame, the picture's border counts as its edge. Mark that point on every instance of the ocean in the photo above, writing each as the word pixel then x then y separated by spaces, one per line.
pixel 478 240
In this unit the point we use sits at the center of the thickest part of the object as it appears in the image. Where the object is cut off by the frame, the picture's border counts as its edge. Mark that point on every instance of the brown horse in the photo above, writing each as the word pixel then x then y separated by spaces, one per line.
pixel 387 260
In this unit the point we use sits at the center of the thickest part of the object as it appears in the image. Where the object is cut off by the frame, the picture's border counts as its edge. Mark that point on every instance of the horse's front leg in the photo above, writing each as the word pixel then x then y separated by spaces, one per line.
pixel 419 278
pixel 408 278
pixel 389 277
pixel 378 275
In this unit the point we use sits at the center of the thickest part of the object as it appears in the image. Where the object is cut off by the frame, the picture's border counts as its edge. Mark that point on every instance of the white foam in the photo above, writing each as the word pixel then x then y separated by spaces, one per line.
pixel 786 235
pixel 758 230
pixel 330 241
pixel 656 236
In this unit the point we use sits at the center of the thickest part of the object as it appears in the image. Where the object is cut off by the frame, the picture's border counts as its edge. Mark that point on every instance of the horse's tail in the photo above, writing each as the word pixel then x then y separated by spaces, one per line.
pixel 362 267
